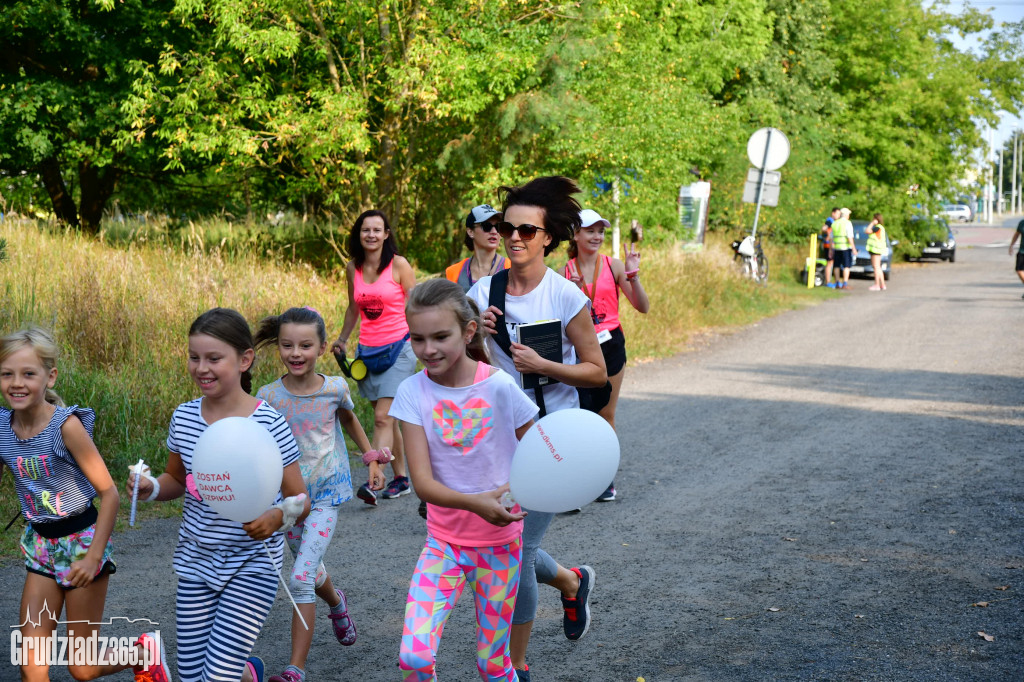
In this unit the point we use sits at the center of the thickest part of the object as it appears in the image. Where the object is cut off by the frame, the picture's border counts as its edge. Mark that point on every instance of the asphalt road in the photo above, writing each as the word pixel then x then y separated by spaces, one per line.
pixel 825 495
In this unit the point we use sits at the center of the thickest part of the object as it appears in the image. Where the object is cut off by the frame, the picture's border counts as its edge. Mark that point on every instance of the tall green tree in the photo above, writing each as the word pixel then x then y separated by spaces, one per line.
pixel 351 102
pixel 62 80
pixel 908 102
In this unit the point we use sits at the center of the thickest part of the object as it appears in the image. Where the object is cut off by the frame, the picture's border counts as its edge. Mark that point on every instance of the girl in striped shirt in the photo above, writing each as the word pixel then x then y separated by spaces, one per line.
pixel 227 579
pixel 57 473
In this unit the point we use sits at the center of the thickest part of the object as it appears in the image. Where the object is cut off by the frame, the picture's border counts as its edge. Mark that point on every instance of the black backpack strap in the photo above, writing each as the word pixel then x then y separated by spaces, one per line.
pixel 496 298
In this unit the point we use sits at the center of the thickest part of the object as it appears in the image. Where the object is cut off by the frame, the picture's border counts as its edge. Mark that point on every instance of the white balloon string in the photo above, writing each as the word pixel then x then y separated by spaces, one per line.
pixel 285 586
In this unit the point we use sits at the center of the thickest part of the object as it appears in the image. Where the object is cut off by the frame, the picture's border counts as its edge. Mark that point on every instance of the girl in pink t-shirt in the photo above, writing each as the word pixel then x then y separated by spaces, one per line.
pixel 461 420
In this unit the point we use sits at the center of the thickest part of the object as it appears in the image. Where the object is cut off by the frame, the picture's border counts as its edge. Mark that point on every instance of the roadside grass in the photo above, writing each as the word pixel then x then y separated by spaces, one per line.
pixel 120 312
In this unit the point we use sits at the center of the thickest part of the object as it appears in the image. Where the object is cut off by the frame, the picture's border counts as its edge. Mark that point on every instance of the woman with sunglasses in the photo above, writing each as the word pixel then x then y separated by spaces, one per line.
pixel 537 217
pixel 379 281
pixel 483 240
pixel 602 278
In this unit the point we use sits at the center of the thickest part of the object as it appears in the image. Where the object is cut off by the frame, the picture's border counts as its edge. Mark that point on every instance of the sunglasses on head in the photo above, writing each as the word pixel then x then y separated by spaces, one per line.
pixel 526 232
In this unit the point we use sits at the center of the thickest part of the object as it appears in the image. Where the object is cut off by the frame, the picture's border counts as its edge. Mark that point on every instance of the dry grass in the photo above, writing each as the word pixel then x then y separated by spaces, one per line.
pixel 121 315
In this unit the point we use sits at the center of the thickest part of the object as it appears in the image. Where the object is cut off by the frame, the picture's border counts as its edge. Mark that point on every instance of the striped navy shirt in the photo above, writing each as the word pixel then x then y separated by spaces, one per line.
pixel 211 548
pixel 48 480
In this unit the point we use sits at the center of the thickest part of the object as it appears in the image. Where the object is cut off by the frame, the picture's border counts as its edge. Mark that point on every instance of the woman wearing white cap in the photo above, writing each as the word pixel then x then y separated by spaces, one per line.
pixel 483 240
pixel 601 278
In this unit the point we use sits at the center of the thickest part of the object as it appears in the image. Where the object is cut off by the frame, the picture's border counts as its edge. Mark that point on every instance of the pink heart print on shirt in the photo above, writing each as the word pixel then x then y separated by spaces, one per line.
pixel 463 427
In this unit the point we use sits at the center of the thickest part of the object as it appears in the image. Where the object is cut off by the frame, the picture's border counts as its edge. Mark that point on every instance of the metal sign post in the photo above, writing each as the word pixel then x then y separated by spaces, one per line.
pixel 768 150
pixel 760 183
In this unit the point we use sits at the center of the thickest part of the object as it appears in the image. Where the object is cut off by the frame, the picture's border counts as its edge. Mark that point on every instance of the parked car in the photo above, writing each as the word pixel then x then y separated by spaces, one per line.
pixel 862 264
pixel 959 212
pixel 941 245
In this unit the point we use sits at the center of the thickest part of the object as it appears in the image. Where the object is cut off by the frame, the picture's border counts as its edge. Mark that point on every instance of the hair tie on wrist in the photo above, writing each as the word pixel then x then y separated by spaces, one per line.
pixel 632 272
pixel 382 456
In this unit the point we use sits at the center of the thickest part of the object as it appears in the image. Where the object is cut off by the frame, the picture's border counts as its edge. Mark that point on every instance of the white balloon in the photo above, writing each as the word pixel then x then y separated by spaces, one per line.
pixel 237 469
pixel 564 461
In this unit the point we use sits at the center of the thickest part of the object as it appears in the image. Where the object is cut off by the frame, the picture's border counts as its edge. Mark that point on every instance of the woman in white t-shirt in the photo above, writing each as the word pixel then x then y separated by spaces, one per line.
pixel 537 217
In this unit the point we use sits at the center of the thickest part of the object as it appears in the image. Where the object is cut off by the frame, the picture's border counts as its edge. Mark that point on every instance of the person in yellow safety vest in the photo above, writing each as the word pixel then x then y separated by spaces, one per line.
pixel 876 247
pixel 846 250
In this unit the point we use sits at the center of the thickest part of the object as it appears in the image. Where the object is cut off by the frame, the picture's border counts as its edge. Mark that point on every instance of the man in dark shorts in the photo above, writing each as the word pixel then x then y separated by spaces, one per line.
pixel 828 246
pixel 1019 234
pixel 846 250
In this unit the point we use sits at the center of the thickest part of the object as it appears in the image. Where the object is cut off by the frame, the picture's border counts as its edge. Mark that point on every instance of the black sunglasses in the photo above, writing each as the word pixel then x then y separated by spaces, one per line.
pixel 526 232
pixel 487 227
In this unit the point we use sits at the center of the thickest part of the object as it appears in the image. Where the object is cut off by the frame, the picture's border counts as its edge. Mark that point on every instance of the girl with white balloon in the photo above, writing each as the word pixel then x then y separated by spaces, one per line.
pixel 234 459
pixel 317 408
pixel 461 420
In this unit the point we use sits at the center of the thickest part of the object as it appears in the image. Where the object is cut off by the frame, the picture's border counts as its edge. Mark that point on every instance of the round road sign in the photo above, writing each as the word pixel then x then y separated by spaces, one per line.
pixel 777 145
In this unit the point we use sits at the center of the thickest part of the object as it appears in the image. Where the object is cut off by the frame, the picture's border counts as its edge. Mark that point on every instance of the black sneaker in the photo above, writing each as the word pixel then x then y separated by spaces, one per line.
pixel 366 495
pixel 608 495
pixel 523 675
pixel 576 620
pixel 399 486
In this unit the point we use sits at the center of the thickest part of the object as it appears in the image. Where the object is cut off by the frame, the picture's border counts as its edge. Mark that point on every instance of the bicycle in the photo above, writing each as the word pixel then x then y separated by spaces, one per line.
pixel 754 263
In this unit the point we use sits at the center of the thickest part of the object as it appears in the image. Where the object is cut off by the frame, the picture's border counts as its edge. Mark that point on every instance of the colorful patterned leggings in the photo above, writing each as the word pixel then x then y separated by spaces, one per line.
pixel 308 542
pixel 442 571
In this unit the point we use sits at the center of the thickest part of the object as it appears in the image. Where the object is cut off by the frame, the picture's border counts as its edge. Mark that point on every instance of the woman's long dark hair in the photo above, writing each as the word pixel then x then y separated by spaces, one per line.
pixel 355 247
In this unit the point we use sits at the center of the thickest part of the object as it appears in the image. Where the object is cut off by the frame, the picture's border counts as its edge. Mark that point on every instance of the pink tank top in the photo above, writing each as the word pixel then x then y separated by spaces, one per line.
pixel 381 308
pixel 604 297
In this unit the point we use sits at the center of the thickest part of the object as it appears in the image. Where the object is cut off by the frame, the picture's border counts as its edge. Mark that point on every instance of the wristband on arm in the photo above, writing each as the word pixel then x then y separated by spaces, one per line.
pixel 382 456
pixel 291 509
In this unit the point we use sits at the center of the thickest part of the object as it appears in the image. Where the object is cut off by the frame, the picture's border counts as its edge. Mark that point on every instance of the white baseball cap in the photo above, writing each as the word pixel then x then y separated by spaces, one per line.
pixel 589 216
pixel 481 214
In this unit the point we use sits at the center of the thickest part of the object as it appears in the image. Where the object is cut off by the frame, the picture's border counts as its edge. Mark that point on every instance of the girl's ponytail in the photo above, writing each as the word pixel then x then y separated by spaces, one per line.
pixel 267 331
pixel 477 346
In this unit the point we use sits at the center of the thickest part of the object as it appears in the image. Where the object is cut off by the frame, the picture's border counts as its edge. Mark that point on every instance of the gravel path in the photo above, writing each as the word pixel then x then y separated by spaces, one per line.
pixel 825 495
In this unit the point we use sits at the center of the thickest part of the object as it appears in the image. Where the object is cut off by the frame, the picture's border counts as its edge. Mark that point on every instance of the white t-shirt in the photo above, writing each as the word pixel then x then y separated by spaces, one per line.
pixel 471 437
pixel 554 298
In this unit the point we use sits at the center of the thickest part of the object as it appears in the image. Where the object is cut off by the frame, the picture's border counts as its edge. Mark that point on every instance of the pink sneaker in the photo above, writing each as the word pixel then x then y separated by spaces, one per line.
pixel 157 670
pixel 286 676
pixel 344 626
pixel 874 287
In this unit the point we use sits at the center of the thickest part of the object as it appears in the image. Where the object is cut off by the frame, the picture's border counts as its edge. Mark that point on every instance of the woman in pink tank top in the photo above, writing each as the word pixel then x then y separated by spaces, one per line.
pixel 601 278
pixel 379 280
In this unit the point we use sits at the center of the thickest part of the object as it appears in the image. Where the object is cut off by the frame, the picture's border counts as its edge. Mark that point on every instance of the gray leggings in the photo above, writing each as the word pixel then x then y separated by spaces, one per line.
pixel 537 566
